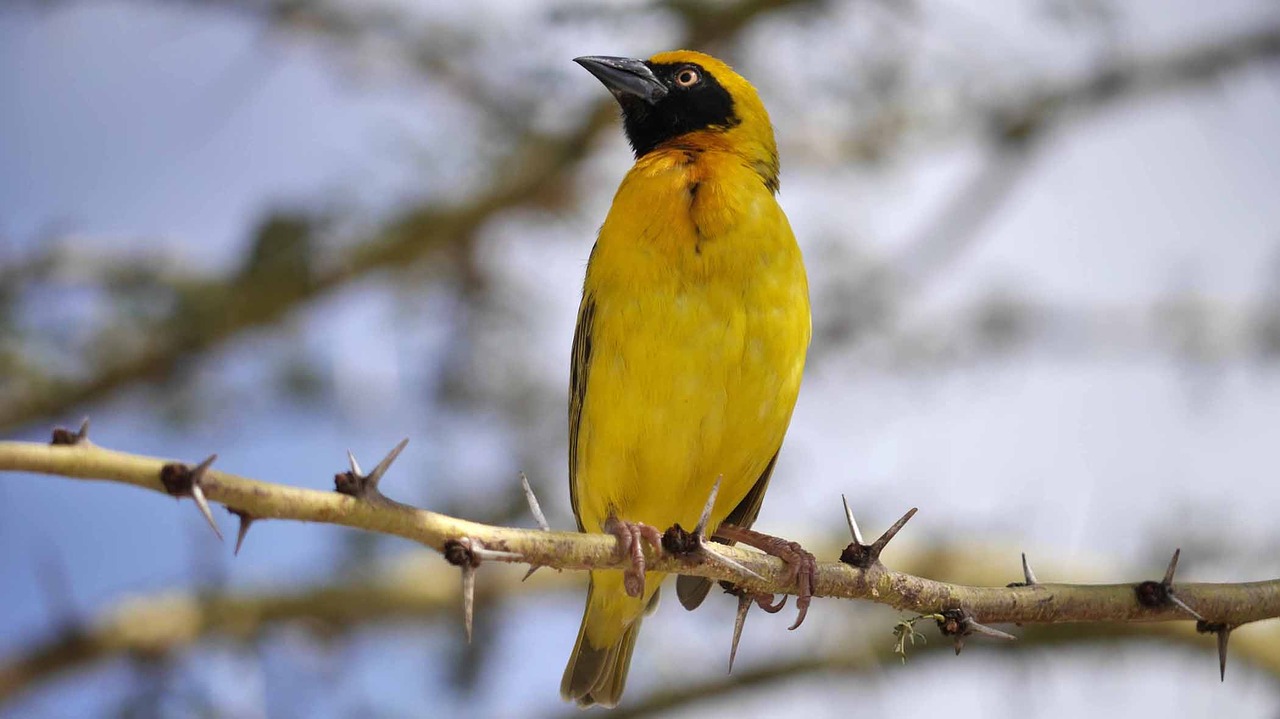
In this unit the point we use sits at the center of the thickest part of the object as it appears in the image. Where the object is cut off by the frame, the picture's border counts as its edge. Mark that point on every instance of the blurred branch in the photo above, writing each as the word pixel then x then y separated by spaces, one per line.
pixel 213 312
pixel 1014 132
pixel 1197 329
pixel 1256 647
pixel 158 625
pixel 467 544
pixel 960 221
pixel 1016 128
pixel 219 310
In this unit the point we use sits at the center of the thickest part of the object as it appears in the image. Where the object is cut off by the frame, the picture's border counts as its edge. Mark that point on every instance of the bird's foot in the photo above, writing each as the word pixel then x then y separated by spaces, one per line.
pixel 802 567
pixel 631 538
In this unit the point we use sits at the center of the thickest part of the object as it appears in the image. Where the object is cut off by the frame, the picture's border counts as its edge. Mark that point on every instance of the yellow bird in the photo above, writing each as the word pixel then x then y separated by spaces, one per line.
pixel 691 338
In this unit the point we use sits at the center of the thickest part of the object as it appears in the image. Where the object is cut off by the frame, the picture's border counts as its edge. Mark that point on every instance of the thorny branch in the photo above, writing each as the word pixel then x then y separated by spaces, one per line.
pixel 414 588
pixel 154 626
pixel 1219 605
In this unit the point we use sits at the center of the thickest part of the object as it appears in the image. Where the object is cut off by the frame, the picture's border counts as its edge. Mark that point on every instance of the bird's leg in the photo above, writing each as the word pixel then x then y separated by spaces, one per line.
pixel 801 565
pixel 631 537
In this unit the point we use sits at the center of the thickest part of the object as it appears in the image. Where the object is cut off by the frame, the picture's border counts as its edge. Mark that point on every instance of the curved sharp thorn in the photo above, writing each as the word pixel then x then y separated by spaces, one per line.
pixel 385 464
pixel 83 434
pixel 495 555
pixel 355 466
pixel 1183 605
pixel 892 532
pixel 197 494
pixel 1173 567
pixel 853 523
pixel 198 473
pixel 534 507
pixel 529 573
pixel 711 554
pixel 245 521
pixel 705 517
pixel 976 628
pixel 1027 574
pixel 744 606
pixel 1224 635
pixel 468 596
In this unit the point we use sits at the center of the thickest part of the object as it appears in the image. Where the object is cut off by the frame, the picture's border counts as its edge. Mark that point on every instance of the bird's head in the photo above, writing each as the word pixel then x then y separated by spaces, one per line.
pixel 689 97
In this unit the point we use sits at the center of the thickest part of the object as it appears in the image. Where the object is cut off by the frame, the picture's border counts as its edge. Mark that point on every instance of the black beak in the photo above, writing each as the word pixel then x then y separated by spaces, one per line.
pixel 624 76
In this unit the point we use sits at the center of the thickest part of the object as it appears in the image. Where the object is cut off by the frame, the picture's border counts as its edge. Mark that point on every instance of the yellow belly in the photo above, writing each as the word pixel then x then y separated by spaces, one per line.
pixel 683 390
pixel 700 330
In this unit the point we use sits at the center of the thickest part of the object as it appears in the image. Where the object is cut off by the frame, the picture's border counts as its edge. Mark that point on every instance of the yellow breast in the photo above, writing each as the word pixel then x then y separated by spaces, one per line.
pixel 700 326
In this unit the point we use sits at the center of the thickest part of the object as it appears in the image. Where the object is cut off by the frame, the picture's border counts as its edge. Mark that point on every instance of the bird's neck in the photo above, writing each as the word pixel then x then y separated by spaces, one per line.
pixel 755 150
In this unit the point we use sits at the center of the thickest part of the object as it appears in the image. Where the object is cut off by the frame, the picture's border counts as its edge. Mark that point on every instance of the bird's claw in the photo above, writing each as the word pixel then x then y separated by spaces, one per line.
pixel 802 566
pixel 631 538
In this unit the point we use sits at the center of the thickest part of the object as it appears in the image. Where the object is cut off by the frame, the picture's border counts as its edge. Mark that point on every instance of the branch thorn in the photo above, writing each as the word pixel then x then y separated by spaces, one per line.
pixel 744 606
pixel 959 623
pixel 468 597
pixel 717 558
pixel 853 523
pixel 355 483
pixel 462 553
pixel 495 555
pixel 864 556
pixel 683 543
pixel 536 509
pixel 63 437
pixel 179 481
pixel 1028 576
pixel 246 520
pixel 1156 595
pixel 745 600
pixel 1173 567
pixel 1223 631
pixel 1223 637
pixel 467 553
pixel 705 517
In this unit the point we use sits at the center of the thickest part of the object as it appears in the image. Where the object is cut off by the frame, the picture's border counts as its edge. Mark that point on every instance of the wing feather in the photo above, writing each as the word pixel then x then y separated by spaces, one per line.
pixel 580 367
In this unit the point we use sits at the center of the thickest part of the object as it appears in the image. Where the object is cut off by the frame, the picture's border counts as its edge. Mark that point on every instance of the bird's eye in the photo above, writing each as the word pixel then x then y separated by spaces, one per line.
pixel 687 77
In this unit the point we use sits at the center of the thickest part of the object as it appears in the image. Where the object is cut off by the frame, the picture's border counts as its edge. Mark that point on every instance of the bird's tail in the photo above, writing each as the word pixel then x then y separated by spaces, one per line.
pixel 597 669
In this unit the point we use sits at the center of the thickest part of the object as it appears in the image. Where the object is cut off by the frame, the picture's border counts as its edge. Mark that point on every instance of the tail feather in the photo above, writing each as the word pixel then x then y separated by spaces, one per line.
pixel 692 590
pixel 598 674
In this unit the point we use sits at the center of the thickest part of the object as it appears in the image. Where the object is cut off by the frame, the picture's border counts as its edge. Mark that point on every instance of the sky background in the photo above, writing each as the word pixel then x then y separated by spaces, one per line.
pixel 169 129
